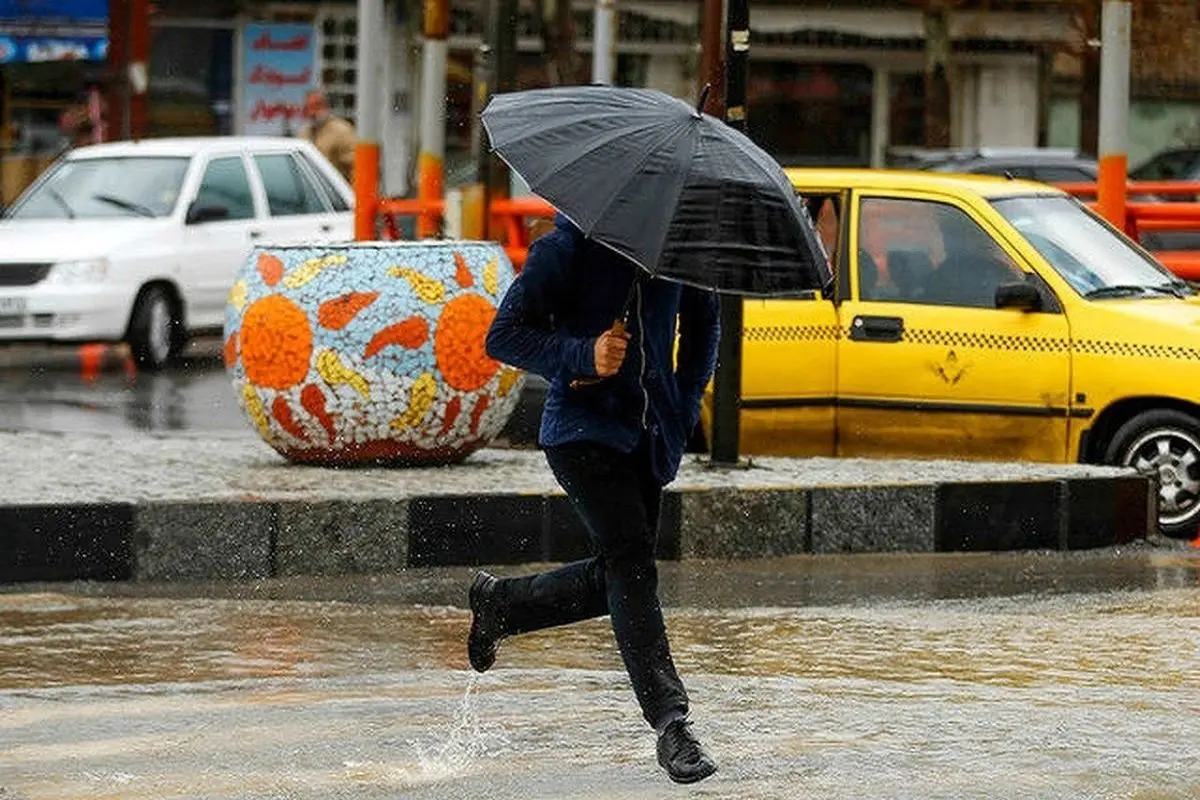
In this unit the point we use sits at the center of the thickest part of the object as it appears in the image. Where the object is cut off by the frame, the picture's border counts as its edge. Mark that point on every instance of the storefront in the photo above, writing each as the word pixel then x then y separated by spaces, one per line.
pixel 835 83
pixel 828 85
pixel 51 59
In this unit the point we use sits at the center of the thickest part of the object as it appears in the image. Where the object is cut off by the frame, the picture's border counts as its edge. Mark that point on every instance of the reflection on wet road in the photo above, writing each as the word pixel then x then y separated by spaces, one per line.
pixel 97 390
pixel 60 390
pixel 1007 676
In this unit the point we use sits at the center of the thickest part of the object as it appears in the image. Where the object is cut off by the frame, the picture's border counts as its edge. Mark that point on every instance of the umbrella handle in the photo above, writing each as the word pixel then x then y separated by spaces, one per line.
pixel 619 327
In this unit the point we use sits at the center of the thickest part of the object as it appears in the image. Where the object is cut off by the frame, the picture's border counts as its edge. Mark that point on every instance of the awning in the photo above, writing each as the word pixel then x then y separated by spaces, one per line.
pixel 33 11
pixel 33 31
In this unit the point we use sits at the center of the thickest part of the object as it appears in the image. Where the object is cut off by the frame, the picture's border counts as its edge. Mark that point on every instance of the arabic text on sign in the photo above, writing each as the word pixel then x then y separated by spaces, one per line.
pixel 296 43
pixel 268 112
pixel 273 77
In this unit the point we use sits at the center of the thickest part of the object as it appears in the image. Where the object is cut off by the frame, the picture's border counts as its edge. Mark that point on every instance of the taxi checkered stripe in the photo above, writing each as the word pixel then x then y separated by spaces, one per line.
pixel 980 341
pixel 1097 347
pixel 793 333
pixel 985 341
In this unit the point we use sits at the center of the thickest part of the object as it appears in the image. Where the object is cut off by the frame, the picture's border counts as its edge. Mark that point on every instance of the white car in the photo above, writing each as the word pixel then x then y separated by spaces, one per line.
pixel 141 241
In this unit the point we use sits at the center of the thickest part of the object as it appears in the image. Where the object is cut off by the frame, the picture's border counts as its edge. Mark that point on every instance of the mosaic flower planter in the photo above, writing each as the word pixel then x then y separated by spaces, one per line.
pixel 370 352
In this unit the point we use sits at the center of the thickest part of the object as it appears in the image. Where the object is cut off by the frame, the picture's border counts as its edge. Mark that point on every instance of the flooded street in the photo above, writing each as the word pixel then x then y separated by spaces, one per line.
pixel 952 676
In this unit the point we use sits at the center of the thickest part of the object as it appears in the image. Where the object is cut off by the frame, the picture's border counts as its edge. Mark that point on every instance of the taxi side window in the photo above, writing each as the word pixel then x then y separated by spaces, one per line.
pixel 919 251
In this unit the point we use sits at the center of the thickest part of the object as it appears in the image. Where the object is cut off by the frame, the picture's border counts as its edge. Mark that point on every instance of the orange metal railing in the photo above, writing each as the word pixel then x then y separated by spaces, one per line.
pixel 1145 212
pixel 509 219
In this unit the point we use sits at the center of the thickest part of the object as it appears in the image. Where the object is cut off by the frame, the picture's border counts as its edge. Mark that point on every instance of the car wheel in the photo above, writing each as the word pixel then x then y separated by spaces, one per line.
pixel 154 333
pixel 1164 445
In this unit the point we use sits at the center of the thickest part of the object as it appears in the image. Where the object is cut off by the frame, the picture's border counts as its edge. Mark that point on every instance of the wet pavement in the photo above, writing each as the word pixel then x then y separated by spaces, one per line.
pixel 96 389
pixel 1035 675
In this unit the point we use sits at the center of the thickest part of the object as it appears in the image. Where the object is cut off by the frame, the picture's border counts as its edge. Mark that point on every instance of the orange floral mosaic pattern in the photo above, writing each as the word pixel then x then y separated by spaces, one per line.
pixel 373 353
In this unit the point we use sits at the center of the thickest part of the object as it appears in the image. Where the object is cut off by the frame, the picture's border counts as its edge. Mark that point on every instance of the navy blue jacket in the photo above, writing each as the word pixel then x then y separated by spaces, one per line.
pixel 570 291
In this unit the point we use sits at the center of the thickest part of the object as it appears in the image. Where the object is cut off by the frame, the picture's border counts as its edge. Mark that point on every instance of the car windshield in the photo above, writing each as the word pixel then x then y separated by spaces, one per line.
pixel 98 188
pixel 1085 251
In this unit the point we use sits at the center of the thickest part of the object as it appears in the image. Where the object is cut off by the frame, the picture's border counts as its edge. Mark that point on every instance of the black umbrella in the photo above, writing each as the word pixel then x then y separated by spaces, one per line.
pixel 679 192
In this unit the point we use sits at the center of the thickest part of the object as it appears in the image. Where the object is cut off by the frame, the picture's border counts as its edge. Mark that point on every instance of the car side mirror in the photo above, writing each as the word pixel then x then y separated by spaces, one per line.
pixel 199 214
pixel 1019 295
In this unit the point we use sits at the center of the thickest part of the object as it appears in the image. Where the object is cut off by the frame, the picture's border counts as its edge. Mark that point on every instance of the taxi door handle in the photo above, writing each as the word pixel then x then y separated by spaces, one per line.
pixel 877 329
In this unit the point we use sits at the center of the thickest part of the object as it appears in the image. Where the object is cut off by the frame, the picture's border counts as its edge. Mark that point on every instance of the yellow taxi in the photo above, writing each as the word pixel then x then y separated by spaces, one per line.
pixel 977 318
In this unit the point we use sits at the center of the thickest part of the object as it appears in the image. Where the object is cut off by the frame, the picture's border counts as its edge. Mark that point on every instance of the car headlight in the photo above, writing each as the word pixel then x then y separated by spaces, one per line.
pixel 76 272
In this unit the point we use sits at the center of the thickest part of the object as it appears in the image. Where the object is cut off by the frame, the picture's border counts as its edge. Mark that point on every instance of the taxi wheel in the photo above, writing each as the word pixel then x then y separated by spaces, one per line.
pixel 1164 445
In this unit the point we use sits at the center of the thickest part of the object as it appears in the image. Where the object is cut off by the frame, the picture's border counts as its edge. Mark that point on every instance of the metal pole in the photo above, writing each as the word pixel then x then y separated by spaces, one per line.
pixel 483 92
pixel 431 163
pixel 139 68
pixel 604 42
pixel 1114 110
pixel 502 38
pixel 712 62
pixel 727 386
pixel 369 119
pixel 118 68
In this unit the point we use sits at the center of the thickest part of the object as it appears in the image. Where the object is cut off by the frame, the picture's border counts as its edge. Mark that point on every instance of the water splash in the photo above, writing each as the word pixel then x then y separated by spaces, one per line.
pixel 466 743
pixel 452 754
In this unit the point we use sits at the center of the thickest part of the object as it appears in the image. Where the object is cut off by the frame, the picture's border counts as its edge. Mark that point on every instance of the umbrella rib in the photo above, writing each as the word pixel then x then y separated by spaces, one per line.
pixel 667 135
pixel 751 154
pixel 608 137
pixel 565 122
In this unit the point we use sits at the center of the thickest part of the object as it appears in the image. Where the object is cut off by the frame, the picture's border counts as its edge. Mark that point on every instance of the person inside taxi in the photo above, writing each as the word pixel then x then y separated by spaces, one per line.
pixel 823 209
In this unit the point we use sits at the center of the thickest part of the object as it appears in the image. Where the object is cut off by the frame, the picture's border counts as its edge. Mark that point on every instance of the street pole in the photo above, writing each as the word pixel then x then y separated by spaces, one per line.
pixel 1114 110
pixel 369 117
pixel 118 68
pixel 431 163
pixel 604 42
pixel 502 69
pixel 712 62
pixel 727 389
pixel 139 68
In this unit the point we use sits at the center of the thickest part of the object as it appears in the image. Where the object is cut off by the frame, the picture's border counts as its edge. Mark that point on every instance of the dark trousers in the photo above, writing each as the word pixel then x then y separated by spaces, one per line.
pixel 618 500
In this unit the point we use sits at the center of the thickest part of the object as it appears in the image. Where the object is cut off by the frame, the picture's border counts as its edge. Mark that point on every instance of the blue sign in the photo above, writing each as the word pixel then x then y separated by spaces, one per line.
pixel 94 11
pixel 37 49
pixel 281 67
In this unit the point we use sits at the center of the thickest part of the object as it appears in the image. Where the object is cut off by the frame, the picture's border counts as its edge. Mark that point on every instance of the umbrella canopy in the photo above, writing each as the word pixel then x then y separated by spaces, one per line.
pixel 679 192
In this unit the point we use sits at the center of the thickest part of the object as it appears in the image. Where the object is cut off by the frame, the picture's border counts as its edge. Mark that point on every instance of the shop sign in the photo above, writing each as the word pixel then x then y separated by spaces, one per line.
pixel 38 49
pixel 280 69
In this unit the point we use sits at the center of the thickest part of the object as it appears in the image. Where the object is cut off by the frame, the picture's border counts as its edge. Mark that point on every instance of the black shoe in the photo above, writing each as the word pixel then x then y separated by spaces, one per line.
pixel 487 629
pixel 684 759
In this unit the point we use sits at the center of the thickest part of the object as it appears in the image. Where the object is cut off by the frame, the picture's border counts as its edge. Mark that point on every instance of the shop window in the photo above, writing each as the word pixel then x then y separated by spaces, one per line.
pixel 906 110
pixel 191 82
pixel 811 114
pixel 339 54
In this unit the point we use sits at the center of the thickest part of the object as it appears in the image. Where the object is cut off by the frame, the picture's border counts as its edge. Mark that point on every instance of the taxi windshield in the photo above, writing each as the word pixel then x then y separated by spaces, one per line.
pixel 1085 251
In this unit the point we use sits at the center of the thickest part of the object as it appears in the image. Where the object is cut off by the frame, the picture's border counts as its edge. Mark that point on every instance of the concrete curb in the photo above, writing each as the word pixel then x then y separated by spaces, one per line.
pixel 252 538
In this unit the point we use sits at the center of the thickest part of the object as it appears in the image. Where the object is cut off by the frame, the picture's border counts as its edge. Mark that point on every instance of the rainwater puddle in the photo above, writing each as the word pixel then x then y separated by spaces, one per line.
pixel 802 685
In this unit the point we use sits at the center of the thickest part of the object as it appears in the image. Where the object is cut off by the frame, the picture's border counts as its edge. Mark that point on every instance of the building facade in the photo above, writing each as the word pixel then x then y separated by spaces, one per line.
pixel 829 83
